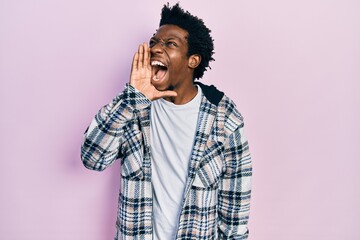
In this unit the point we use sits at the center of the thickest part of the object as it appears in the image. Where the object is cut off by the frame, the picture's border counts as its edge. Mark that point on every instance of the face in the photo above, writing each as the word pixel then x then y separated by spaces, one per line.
pixel 169 60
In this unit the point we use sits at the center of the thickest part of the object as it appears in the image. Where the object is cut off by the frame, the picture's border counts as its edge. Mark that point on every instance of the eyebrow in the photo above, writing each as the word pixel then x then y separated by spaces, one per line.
pixel 171 37
pixel 174 37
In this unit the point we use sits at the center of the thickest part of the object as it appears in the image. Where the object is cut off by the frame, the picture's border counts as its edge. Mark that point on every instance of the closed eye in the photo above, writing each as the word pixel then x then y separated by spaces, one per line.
pixel 171 43
pixel 152 43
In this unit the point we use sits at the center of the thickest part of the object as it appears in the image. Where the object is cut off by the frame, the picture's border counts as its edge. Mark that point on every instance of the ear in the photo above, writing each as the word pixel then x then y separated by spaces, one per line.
pixel 194 61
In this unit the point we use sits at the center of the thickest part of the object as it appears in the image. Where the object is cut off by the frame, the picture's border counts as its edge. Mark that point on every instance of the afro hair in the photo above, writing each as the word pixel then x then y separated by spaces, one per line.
pixel 199 40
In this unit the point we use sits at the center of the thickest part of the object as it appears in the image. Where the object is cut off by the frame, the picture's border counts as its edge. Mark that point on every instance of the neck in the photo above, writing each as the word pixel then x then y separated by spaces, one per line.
pixel 184 94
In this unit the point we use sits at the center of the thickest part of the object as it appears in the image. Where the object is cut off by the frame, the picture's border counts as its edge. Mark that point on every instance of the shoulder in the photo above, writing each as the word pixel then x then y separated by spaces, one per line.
pixel 232 117
pixel 227 111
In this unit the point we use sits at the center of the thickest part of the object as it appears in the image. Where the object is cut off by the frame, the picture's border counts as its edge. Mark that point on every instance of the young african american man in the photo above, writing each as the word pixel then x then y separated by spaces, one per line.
pixel 185 162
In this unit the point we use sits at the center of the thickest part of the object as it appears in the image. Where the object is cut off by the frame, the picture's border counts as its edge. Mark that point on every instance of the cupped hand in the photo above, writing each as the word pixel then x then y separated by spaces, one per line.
pixel 140 77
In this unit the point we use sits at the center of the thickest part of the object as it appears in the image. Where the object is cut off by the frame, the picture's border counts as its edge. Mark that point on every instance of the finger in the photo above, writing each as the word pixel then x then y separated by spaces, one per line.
pixel 135 61
pixel 146 55
pixel 141 56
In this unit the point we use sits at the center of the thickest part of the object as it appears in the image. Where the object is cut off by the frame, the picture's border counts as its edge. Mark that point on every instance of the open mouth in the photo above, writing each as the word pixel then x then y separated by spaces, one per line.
pixel 159 70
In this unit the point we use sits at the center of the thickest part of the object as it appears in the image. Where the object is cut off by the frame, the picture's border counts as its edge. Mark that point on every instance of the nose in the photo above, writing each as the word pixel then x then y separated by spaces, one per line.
pixel 157 48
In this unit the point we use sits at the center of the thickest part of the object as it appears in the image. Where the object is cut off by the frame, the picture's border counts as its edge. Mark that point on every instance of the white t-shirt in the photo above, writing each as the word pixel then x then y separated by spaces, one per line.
pixel 172 133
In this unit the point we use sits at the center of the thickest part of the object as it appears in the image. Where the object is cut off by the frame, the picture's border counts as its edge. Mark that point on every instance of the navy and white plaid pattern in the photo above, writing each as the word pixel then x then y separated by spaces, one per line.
pixel 217 195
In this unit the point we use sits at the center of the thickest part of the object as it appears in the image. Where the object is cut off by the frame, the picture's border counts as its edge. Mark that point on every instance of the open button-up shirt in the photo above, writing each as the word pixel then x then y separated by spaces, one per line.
pixel 216 202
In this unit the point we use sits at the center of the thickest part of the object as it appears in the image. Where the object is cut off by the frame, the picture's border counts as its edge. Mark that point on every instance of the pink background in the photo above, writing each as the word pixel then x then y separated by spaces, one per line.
pixel 292 67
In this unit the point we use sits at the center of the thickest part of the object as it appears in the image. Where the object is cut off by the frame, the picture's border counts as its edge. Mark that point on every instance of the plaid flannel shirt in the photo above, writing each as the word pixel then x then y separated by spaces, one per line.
pixel 216 200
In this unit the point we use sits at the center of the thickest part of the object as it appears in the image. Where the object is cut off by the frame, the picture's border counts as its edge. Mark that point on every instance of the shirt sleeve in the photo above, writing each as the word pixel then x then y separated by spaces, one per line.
pixel 104 136
pixel 235 188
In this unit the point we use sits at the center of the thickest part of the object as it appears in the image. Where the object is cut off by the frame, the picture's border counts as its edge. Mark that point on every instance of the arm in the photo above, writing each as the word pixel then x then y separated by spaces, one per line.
pixel 235 188
pixel 103 138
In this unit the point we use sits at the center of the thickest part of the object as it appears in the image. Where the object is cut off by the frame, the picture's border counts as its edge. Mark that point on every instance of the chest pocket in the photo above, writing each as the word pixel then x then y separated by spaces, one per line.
pixel 211 167
pixel 131 168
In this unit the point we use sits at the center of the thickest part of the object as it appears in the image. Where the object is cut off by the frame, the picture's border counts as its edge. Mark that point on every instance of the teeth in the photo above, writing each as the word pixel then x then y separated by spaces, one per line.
pixel 157 63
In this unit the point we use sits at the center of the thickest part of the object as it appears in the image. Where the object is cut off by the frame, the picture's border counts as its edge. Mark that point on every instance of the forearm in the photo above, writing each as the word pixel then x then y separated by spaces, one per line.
pixel 103 138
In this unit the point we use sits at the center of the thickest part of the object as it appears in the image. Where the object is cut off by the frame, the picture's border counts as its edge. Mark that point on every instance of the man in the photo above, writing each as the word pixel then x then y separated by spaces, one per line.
pixel 185 162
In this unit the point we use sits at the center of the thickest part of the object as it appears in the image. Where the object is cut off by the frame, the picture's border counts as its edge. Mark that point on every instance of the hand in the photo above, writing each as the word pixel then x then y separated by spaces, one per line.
pixel 140 77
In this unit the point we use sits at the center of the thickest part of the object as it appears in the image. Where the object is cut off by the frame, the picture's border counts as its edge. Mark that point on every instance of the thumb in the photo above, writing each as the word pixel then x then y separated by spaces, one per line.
pixel 167 93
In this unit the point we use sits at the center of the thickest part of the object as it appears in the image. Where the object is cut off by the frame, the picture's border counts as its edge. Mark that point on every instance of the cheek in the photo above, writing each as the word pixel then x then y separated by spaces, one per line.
pixel 179 63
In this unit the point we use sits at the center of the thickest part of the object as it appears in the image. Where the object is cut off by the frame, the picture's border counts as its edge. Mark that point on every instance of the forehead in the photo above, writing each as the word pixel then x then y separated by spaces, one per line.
pixel 171 31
